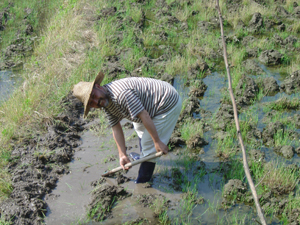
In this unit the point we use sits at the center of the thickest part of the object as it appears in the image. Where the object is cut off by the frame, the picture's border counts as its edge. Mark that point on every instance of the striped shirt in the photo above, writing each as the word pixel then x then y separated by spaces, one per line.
pixel 130 96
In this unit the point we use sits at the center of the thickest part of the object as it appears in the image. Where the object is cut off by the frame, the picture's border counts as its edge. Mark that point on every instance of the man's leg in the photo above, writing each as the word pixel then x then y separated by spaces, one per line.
pixel 164 125
pixel 146 169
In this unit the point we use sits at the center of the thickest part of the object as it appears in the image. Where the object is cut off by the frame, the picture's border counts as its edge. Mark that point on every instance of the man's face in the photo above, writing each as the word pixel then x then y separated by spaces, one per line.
pixel 99 97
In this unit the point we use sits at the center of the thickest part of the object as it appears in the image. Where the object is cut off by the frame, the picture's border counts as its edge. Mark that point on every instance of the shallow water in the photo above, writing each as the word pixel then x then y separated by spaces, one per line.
pixel 8 82
pixel 68 201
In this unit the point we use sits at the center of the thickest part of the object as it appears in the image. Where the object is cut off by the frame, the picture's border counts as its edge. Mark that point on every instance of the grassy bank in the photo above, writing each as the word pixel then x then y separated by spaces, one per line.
pixel 48 74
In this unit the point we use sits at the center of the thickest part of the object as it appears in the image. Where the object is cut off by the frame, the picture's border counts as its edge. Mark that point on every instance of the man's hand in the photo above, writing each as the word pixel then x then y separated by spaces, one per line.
pixel 123 161
pixel 161 147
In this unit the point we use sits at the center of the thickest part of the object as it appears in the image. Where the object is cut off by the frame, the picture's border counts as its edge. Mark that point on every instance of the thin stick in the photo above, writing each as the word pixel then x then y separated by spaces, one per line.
pixel 157 154
pixel 245 163
pixel 262 178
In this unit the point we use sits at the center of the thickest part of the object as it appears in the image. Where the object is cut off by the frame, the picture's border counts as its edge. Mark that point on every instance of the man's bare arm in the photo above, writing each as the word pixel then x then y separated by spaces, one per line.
pixel 148 123
pixel 120 141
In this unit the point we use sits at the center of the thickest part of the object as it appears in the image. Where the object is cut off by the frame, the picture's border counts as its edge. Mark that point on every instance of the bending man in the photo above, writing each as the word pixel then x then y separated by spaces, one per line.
pixel 152 105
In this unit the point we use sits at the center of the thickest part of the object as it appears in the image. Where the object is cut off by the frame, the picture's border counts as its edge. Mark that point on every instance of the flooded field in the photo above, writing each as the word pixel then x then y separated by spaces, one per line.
pixel 98 154
pixel 56 170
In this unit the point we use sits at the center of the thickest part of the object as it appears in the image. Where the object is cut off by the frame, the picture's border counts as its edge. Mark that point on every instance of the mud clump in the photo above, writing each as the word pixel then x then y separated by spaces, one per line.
pixel 98 182
pixel 176 139
pixel 110 159
pixel 256 23
pixel 286 151
pixel 297 150
pixel 157 202
pixel 271 57
pixel 128 125
pixel 139 221
pixel 253 67
pixel 224 116
pixel 168 78
pixel 246 91
pixel 198 88
pixel 256 156
pixel 292 83
pixel 196 142
pixel 4 17
pixel 122 179
pixel 107 12
pixel 112 69
pixel 191 106
pixel 295 119
pixel 198 68
pixel 270 130
pixel 271 200
pixel 103 199
pixel 253 135
pixel 270 86
pixel 234 190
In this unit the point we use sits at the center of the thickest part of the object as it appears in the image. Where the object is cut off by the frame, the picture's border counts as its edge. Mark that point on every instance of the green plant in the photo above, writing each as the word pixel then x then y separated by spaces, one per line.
pixel 278 178
pixel 186 207
pixel 190 128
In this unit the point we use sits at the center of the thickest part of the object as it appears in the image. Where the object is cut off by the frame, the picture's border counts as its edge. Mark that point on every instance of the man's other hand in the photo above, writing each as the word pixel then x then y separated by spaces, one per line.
pixel 123 161
pixel 161 147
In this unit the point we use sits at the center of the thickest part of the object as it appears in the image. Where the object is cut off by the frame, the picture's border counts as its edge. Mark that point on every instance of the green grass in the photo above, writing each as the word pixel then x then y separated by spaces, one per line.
pixel 285 104
pixel 293 204
pixel 191 128
pixel 186 207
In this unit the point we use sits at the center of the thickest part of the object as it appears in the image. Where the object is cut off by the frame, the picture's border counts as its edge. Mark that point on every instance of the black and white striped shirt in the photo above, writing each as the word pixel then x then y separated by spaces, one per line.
pixel 130 96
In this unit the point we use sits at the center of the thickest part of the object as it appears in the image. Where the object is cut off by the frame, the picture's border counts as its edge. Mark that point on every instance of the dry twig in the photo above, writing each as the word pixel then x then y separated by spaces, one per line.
pixel 246 166
pixel 262 178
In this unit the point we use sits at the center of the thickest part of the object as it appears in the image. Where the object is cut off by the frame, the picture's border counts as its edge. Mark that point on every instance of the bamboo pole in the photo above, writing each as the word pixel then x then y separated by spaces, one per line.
pixel 133 163
pixel 245 163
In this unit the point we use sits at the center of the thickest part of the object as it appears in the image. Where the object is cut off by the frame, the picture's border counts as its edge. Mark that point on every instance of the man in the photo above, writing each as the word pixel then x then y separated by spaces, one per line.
pixel 152 105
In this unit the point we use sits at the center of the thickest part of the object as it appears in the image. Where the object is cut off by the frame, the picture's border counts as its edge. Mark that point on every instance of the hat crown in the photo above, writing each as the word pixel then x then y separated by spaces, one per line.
pixel 82 91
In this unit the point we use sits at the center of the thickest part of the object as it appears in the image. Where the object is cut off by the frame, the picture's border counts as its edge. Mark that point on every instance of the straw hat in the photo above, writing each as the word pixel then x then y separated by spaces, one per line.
pixel 83 91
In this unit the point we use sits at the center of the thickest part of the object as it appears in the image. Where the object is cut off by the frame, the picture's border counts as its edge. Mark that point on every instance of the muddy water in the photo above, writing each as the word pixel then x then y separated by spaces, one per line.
pixel 68 202
pixel 8 82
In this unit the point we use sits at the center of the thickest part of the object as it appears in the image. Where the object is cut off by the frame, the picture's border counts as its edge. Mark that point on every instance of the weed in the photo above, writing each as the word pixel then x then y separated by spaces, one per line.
pixel 282 138
pixel 285 104
pixel 229 172
pixel 186 206
pixel 96 213
pixel 135 13
pixel 159 209
pixel 190 128
pixel 279 178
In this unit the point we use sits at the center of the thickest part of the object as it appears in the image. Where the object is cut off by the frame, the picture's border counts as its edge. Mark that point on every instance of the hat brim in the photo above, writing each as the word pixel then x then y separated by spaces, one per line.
pixel 99 78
